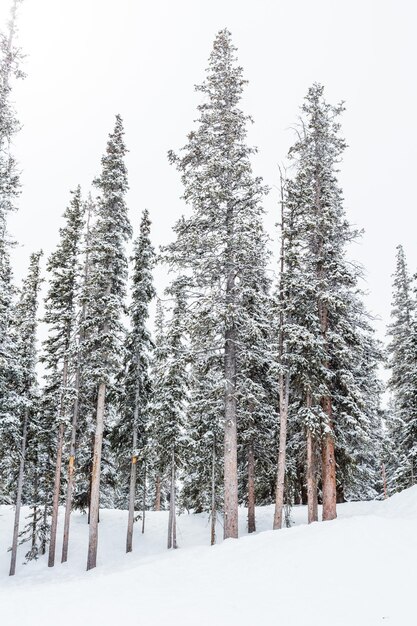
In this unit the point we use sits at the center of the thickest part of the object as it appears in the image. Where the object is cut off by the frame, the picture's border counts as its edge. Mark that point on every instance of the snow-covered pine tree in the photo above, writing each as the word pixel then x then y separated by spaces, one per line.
pixel 129 432
pixel 202 488
pixel 106 292
pixel 211 246
pixel 60 312
pixel 168 440
pixel 10 57
pixel 79 365
pixel 25 323
pixel 402 361
pixel 342 339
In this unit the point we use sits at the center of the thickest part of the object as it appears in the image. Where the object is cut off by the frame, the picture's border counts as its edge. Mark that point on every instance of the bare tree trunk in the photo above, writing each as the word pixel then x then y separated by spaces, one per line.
pixel 71 463
pixel 283 389
pixel 172 528
pixel 157 506
pixel 173 504
pixel 328 467
pixel 384 481
pixel 230 441
pixel 19 495
pixel 144 499
pixel 169 542
pixel 55 498
pixel 95 479
pixel 231 510
pixel 280 482
pixel 132 492
pixel 45 519
pixel 251 489
pixel 312 505
pixel 213 495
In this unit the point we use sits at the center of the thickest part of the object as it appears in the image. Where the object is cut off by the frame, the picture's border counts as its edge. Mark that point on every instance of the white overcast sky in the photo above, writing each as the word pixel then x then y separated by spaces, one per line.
pixel 89 59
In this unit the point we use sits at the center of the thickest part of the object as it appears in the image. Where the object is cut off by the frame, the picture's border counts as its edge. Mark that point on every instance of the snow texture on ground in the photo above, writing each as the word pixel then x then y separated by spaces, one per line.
pixel 359 570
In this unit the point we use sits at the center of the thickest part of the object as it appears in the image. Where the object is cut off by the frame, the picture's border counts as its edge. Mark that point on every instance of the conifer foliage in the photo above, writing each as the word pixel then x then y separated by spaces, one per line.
pixel 106 283
pixel 213 246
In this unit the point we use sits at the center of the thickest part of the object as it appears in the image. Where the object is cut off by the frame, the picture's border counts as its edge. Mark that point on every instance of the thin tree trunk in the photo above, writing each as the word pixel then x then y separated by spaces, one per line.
pixel 173 503
pixel 132 492
pixel 169 542
pixel 231 510
pixel 283 390
pixel 172 530
pixel 71 463
pixel 230 441
pixel 144 499
pixel 45 519
pixel 328 467
pixel 213 495
pixel 312 505
pixel 19 495
pixel 280 482
pixel 251 489
pixel 384 481
pixel 157 506
pixel 95 479
pixel 55 498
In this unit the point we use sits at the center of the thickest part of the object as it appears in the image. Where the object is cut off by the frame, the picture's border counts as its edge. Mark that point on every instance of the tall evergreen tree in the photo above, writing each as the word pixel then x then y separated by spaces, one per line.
pixel 167 425
pixel 130 430
pixel 106 292
pixel 25 324
pixel 337 406
pixel 10 58
pixel 212 246
pixel 402 361
pixel 60 311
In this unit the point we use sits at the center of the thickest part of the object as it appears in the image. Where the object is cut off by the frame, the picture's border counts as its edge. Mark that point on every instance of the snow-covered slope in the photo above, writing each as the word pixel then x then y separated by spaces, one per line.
pixel 359 570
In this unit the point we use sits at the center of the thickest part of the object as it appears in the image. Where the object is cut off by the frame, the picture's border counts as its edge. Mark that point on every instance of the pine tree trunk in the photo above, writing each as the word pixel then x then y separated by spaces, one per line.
pixel 172 530
pixel 251 489
pixel 230 441
pixel 144 500
pixel 132 493
pixel 157 506
pixel 19 495
pixel 55 498
pixel 173 501
pixel 231 510
pixel 71 463
pixel 95 479
pixel 282 449
pixel 384 481
pixel 283 388
pixel 213 495
pixel 312 505
pixel 328 467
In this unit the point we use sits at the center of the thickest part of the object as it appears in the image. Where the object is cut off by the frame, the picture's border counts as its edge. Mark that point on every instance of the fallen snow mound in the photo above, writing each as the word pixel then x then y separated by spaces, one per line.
pixel 359 570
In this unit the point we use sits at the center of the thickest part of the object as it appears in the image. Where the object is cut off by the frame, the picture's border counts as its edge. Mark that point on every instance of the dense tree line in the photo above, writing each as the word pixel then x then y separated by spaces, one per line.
pixel 259 383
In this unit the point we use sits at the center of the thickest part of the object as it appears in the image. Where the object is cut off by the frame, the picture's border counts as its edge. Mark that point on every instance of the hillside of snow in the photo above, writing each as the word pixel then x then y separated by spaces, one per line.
pixel 359 570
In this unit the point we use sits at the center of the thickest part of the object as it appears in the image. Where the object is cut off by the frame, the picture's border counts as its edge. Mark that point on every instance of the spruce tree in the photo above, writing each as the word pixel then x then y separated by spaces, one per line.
pixel 60 311
pixel 10 58
pixel 402 361
pixel 106 292
pixel 170 385
pixel 25 324
pixel 129 438
pixel 212 246
pixel 334 320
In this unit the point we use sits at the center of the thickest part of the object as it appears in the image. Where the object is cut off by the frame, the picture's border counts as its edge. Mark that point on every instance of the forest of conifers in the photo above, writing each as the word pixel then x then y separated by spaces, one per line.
pixel 257 382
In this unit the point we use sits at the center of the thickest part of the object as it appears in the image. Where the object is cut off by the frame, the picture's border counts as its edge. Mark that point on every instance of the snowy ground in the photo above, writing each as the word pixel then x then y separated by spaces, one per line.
pixel 360 570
